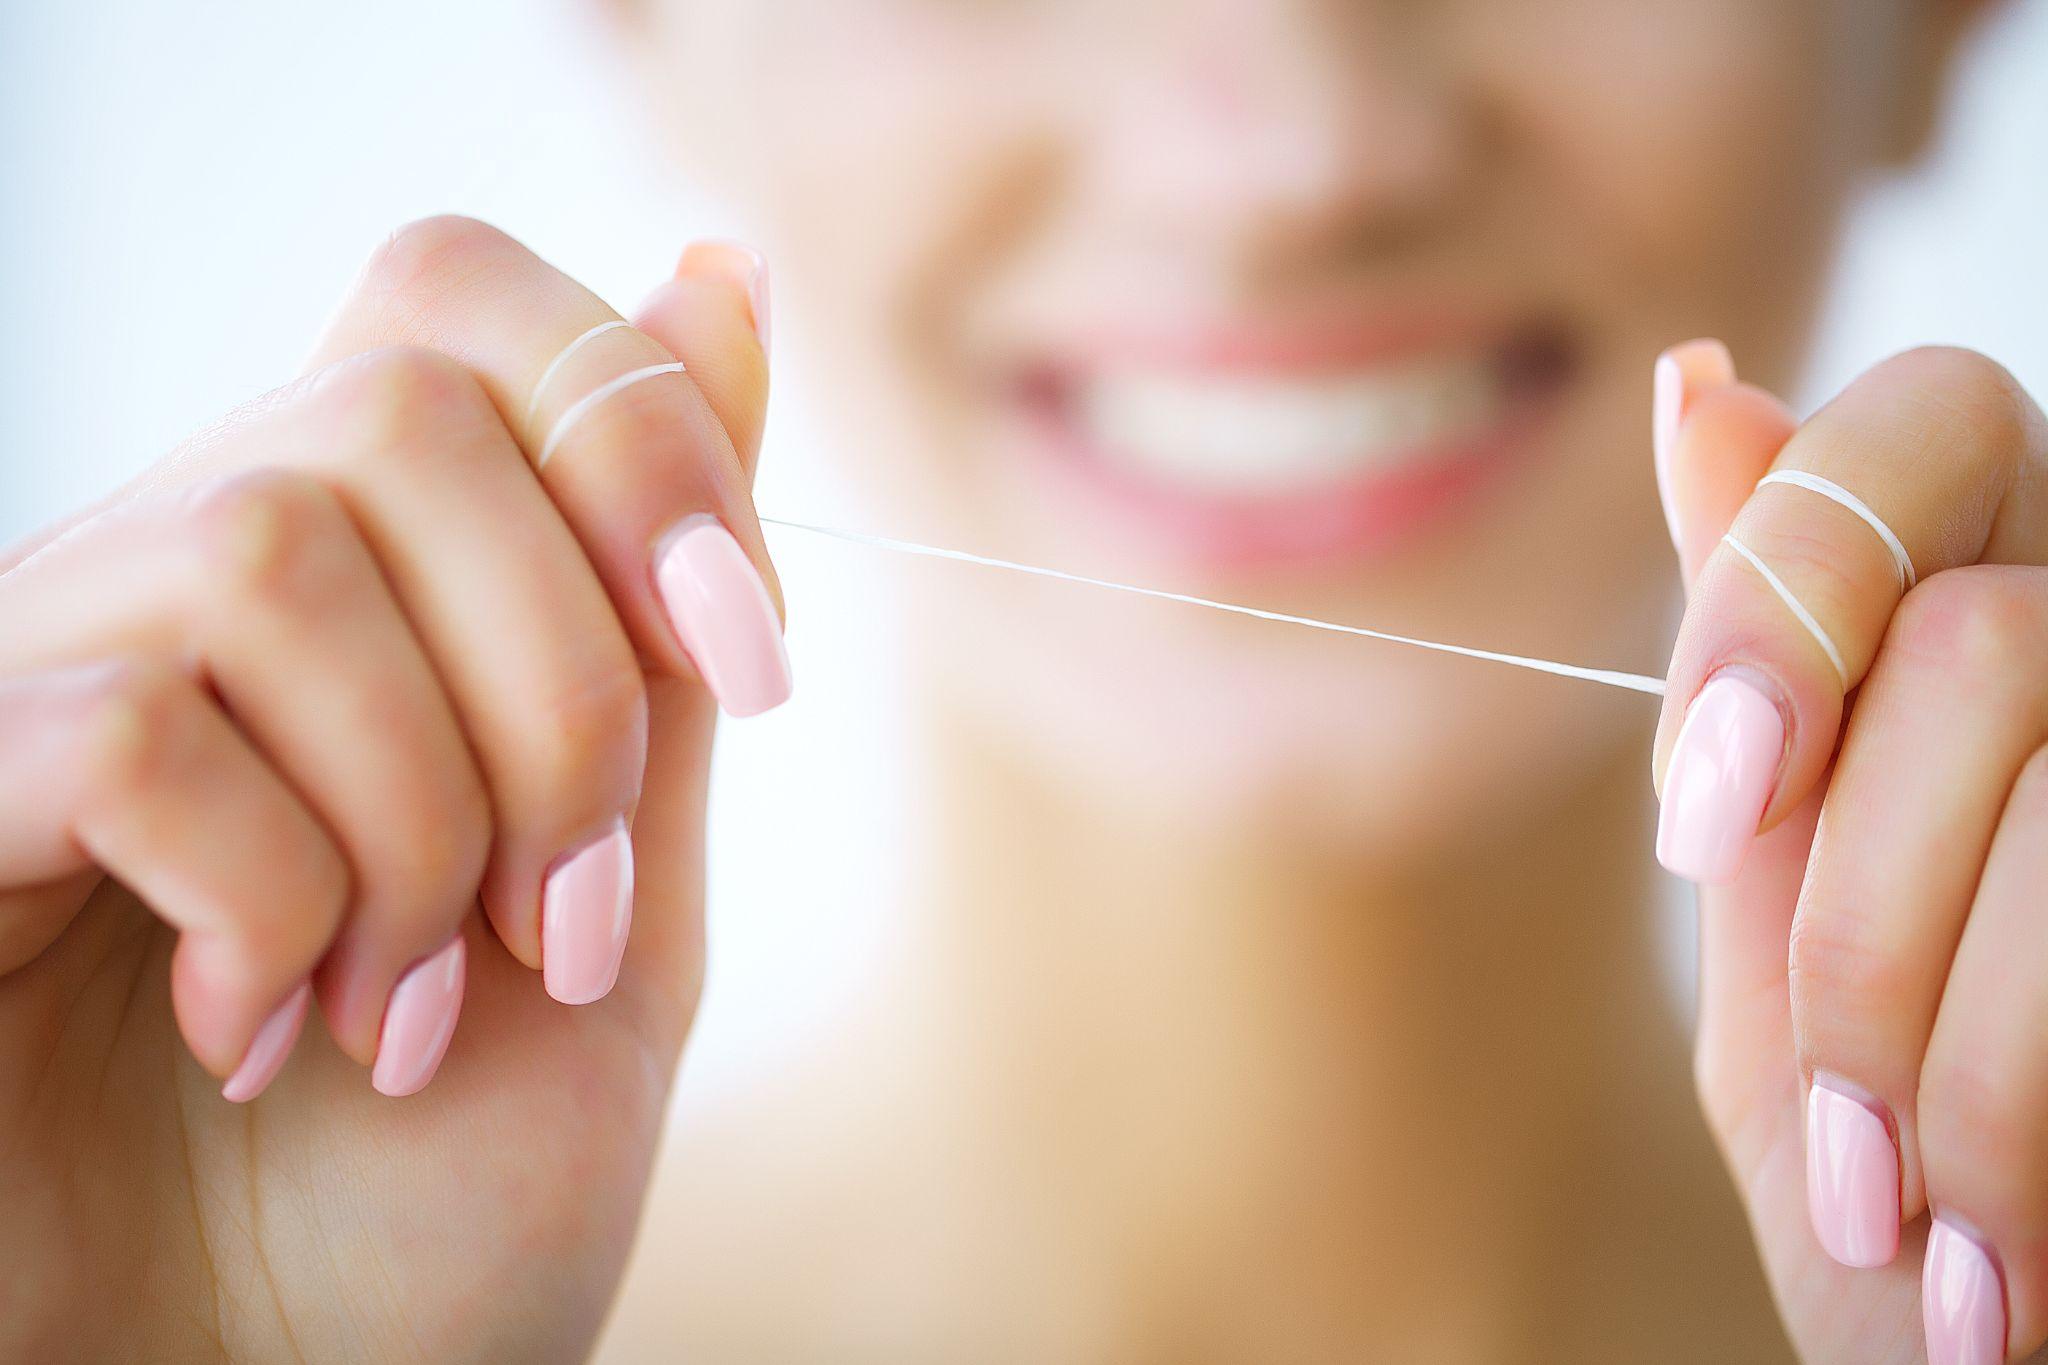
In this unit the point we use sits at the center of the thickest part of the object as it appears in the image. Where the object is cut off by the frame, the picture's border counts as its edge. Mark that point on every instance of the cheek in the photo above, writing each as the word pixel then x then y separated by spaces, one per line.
pixel 1678 133
pixel 888 135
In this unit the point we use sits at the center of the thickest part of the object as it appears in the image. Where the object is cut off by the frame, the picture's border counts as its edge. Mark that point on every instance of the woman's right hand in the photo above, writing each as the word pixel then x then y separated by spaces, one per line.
pixel 275 721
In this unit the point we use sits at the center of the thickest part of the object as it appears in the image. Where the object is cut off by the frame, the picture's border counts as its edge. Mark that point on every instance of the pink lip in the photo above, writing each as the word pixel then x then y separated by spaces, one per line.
pixel 1303 342
pixel 1349 519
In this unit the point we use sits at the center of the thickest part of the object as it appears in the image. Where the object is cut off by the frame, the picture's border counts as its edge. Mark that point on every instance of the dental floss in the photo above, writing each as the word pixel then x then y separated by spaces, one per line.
pixel 1634 682
pixel 1834 492
pixel 540 385
pixel 592 399
pixel 1798 609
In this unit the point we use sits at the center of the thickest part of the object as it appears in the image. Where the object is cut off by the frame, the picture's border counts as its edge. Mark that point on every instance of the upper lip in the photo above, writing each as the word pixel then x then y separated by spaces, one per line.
pixel 1325 339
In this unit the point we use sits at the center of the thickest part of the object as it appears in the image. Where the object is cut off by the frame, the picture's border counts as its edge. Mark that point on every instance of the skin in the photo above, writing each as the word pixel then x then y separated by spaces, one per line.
pixel 1313 1029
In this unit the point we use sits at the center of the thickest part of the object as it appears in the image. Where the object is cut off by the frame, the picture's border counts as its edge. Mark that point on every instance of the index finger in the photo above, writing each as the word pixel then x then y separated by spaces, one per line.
pixel 642 469
pixel 1929 461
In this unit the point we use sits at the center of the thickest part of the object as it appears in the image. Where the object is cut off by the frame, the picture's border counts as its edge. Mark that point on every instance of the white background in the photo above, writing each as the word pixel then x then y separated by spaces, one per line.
pixel 186 189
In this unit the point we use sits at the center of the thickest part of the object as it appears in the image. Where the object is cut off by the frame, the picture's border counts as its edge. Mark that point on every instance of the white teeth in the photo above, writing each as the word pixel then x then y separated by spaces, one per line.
pixel 1265 435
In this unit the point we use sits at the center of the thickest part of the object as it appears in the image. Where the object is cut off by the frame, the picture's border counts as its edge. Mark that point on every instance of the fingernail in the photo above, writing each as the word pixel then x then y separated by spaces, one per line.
pixel 419 1021
pixel 1852 1179
pixel 1720 778
pixel 269 1048
pixel 722 614
pixel 586 909
pixel 1962 1301
pixel 1681 372
pixel 740 263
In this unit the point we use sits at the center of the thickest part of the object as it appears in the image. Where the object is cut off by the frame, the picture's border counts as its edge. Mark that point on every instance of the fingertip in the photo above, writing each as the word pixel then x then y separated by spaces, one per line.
pixel 724 616
pixel 419 1021
pixel 270 1048
pixel 1682 373
pixel 218 993
pixel 738 264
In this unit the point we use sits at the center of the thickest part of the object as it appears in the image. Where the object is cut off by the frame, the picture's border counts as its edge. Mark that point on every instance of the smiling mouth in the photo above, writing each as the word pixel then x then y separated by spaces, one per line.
pixel 1265 457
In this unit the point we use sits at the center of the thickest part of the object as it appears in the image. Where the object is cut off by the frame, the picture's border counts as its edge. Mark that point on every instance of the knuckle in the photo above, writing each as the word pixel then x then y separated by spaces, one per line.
pixel 1961 386
pixel 305 920
pixel 1965 402
pixel 1843 984
pixel 445 854
pixel 425 258
pixel 1806 554
pixel 1978 621
pixel 405 398
pixel 269 534
pixel 583 727
pixel 1969 1117
pixel 134 720
pixel 328 885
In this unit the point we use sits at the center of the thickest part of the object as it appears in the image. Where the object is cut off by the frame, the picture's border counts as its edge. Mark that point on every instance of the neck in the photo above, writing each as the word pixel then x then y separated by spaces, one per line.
pixel 1346 1070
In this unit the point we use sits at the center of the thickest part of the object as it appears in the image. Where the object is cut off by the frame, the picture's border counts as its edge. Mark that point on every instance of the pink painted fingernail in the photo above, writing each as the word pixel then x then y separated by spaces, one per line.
pixel 1681 372
pixel 269 1048
pixel 1962 1301
pixel 722 614
pixel 740 263
pixel 419 1021
pixel 1852 1179
pixel 1722 771
pixel 586 909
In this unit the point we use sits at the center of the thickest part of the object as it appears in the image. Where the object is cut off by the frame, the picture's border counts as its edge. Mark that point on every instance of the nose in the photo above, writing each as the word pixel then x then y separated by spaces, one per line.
pixel 1273 129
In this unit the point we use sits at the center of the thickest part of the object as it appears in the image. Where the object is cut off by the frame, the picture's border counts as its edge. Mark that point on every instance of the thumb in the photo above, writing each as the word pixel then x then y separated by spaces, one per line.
pixel 712 316
pixel 1714 439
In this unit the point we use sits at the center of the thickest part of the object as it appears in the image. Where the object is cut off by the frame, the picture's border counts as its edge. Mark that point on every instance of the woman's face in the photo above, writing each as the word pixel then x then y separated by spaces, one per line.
pixel 1337 307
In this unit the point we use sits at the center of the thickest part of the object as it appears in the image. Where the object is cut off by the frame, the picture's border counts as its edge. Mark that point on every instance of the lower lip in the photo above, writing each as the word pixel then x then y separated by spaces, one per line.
pixel 1369 516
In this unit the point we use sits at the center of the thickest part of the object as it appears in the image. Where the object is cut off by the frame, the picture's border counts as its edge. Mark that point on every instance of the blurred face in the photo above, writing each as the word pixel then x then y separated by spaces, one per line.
pixel 1338 307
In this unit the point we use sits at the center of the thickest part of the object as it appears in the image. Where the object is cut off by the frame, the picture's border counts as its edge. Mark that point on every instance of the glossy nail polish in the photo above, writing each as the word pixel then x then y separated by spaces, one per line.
pixel 586 910
pixel 1852 1178
pixel 420 1021
pixel 1722 771
pixel 1962 1300
pixel 269 1048
pixel 723 616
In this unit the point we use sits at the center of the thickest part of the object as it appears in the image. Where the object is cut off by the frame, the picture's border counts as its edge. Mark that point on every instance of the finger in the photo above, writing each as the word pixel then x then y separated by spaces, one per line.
pixel 625 444
pixel 518 628
pixel 1953 699
pixel 1681 375
pixel 1727 442
pixel 1726 438
pixel 262 581
pixel 1983 1105
pixel 718 298
pixel 128 767
pixel 1941 449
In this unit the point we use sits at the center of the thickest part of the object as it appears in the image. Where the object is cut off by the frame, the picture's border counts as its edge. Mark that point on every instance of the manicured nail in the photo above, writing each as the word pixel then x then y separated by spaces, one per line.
pixel 586 909
pixel 722 614
pixel 1681 373
pixel 1722 771
pixel 1962 1301
pixel 740 263
pixel 1852 1179
pixel 269 1048
pixel 419 1021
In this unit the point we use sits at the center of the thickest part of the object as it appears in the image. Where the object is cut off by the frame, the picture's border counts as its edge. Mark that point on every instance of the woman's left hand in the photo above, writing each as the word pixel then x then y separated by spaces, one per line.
pixel 1853 762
